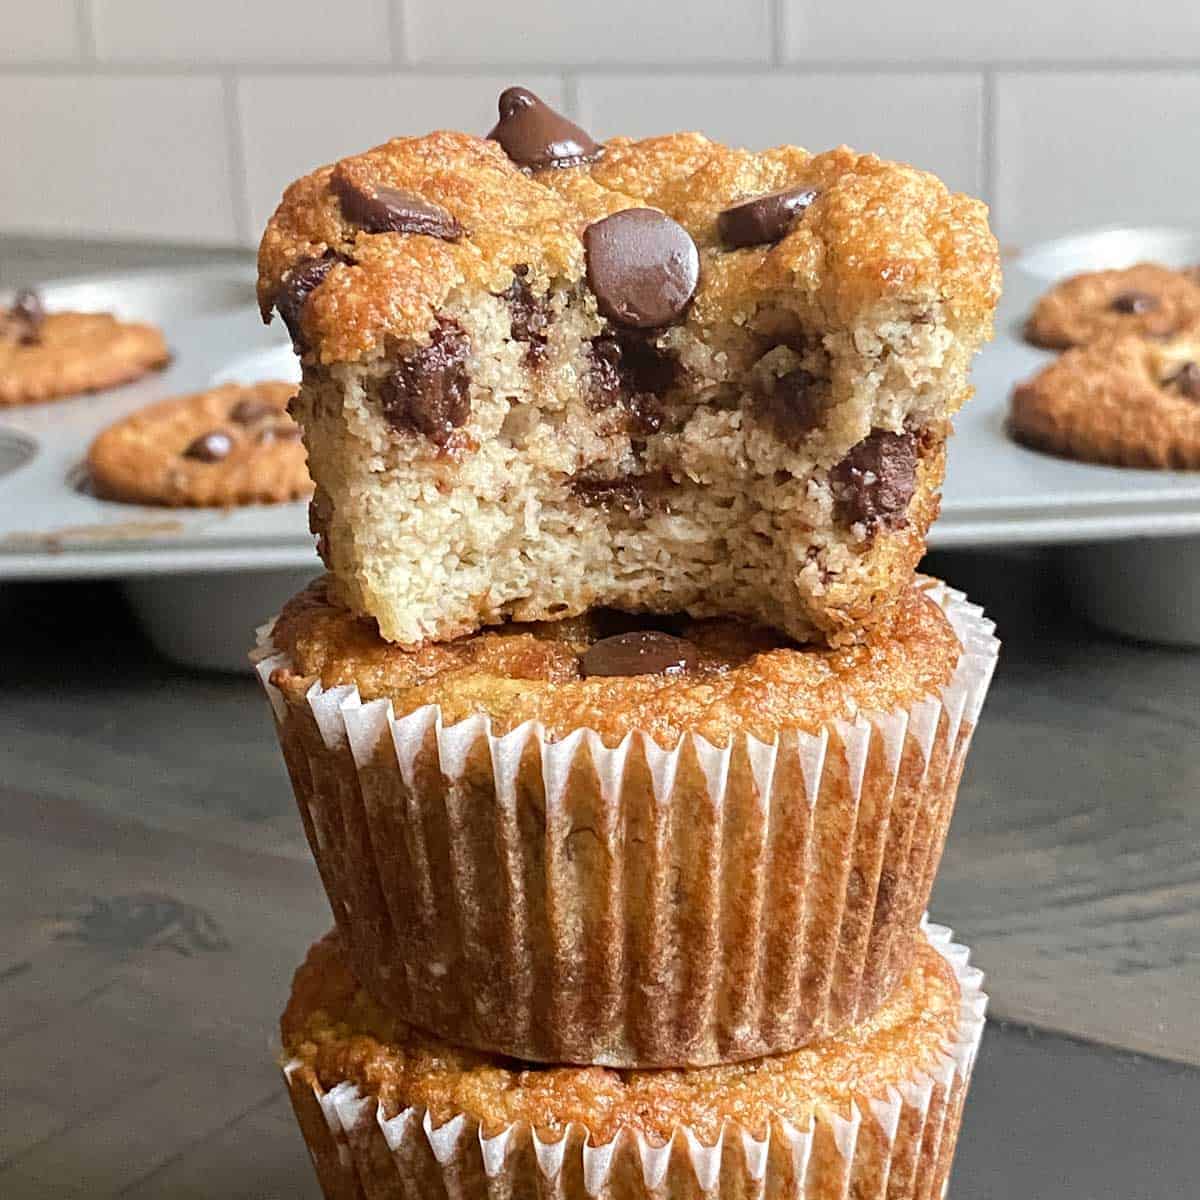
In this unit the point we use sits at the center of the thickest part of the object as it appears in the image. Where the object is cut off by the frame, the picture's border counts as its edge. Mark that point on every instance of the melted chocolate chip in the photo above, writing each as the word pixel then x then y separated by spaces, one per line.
pixel 530 315
pixel 644 652
pixel 382 209
pixel 793 406
pixel 1186 381
pixel 295 288
pixel 429 392
pixel 630 370
pixel 210 447
pixel 534 136
pixel 1133 303
pixel 625 495
pixel 250 410
pixel 877 479
pixel 28 315
pixel 763 219
pixel 642 266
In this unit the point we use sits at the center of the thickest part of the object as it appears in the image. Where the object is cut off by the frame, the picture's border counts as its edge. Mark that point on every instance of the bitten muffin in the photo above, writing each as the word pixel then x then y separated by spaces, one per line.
pixel 1131 401
pixel 46 356
pixel 542 375
pixel 616 841
pixel 389 1111
pixel 230 445
pixel 1149 299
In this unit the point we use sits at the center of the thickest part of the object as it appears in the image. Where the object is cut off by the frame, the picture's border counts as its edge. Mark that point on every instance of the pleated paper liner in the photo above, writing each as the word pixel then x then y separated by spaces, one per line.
pixel 895 1144
pixel 563 901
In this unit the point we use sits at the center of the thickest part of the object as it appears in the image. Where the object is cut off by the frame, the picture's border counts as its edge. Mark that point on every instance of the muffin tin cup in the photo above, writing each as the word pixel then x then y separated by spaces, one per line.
pixel 897 1143
pixel 564 901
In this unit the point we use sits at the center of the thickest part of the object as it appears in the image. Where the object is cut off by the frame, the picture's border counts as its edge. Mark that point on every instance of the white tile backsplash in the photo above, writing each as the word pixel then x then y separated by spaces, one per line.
pixel 558 34
pixel 1074 151
pixel 242 31
pixel 46 31
pixel 1063 113
pixel 982 31
pixel 132 158
pixel 930 120
pixel 293 123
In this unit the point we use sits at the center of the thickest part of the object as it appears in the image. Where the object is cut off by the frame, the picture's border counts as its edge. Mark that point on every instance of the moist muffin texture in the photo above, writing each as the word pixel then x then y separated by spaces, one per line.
pixel 1130 400
pixel 231 445
pixel 340 1035
pixel 491 438
pixel 1147 299
pixel 47 356
pixel 744 679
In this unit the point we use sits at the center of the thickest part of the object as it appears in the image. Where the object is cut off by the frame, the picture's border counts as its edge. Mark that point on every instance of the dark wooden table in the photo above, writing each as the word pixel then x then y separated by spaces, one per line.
pixel 156 893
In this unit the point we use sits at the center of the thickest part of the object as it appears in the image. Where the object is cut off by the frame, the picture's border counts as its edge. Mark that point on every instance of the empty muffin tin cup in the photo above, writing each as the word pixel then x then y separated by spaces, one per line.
pixel 1144 588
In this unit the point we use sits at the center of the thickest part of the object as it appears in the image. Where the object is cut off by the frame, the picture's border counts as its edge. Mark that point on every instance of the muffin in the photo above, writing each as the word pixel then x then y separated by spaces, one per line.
pixel 228 446
pixel 1130 401
pixel 541 375
pixel 388 1111
pixel 606 841
pixel 51 355
pixel 1147 299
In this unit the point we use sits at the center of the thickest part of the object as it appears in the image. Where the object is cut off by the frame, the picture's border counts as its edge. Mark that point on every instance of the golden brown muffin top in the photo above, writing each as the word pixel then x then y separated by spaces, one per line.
pixel 740 678
pixel 339 1034
pixel 877 233
pixel 1148 298
pixel 1129 400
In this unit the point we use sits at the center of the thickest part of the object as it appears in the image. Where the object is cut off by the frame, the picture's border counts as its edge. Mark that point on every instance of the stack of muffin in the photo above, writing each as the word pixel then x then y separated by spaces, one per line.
pixel 624 734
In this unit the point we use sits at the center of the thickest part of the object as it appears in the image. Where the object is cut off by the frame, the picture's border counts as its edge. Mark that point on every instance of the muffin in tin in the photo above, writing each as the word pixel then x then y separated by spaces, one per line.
pixel 872 1112
pixel 594 841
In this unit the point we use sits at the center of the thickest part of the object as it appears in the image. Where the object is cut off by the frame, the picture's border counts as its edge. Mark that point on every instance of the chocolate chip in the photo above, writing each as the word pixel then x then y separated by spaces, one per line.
pixel 429 391
pixel 1186 381
pixel 534 136
pixel 298 283
pixel 877 479
pixel 29 314
pixel 382 209
pixel 529 315
pixel 1133 303
pixel 643 267
pixel 210 447
pixel 763 219
pixel 644 652
pixel 625 495
pixel 277 433
pixel 246 412
pixel 793 406
pixel 630 370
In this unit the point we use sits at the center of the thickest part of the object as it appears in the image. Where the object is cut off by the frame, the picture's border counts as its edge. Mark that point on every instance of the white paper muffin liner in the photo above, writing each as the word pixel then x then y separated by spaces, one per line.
pixel 894 1145
pixel 564 901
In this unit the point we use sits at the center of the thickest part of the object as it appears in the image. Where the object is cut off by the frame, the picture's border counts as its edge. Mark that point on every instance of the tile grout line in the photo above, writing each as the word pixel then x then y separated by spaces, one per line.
pixel 987 144
pixel 778 33
pixel 239 182
pixel 398 32
pixel 86 28
pixel 700 69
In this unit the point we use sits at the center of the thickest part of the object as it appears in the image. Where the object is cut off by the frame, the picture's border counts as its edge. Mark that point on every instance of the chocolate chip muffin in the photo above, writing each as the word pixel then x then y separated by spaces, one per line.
pixel 1131 401
pixel 389 1111
pixel 542 375
pixel 51 355
pixel 227 446
pixel 1148 299
pixel 626 841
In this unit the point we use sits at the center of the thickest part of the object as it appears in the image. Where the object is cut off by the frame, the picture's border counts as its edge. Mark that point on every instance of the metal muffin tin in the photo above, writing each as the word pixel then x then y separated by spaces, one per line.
pixel 202 579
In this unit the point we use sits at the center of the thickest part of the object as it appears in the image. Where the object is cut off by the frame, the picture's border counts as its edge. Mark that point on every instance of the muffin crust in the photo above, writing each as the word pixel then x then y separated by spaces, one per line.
pixel 340 1035
pixel 747 679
